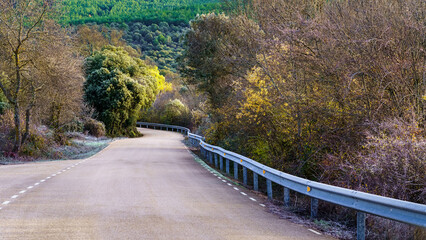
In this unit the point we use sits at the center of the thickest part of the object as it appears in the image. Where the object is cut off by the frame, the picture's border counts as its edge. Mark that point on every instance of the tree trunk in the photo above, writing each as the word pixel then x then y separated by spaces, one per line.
pixel 27 125
pixel 17 145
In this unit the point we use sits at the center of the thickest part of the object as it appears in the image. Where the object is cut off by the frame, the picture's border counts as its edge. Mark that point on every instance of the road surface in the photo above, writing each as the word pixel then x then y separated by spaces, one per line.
pixel 145 188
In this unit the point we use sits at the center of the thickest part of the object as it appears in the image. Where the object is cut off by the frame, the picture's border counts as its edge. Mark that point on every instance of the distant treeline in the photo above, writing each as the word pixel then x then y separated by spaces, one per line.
pixel 107 11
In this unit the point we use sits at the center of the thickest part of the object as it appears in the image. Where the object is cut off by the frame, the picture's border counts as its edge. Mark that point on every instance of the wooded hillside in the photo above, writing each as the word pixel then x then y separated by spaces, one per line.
pixel 103 11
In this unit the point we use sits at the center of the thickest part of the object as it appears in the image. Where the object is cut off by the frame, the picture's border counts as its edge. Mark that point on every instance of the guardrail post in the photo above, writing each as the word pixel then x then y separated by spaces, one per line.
pixel 215 160
pixel 210 157
pixel 269 188
pixel 286 197
pixel 255 182
pixel 314 207
pixel 235 170
pixel 360 225
pixel 221 163
pixel 227 166
pixel 245 175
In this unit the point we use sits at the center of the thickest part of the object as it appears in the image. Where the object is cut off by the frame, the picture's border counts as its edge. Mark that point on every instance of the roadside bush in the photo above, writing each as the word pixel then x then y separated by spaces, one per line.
pixel 60 138
pixel 6 125
pixel 75 125
pixel 36 145
pixel 3 103
pixel 176 113
pixel 391 163
pixel 94 127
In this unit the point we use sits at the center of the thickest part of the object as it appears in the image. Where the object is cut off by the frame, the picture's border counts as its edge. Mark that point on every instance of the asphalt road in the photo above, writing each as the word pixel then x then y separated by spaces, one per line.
pixel 146 188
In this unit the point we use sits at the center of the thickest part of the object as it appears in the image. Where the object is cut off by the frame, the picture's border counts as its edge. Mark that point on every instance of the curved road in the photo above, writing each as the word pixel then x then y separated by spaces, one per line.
pixel 146 188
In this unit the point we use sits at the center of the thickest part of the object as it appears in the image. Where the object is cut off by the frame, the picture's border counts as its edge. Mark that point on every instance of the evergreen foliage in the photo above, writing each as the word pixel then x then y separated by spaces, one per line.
pixel 118 86
pixel 107 11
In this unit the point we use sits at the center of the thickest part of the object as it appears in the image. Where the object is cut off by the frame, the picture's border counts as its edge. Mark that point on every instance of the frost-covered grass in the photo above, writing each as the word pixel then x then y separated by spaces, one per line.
pixel 80 149
pixel 80 146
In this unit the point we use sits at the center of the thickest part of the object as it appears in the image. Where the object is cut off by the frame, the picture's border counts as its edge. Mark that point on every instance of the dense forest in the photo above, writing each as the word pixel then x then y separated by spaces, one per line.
pixel 158 42
pixel 106 11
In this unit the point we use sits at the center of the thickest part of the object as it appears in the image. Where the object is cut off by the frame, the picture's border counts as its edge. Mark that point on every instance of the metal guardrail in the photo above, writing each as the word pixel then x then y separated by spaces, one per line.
pixel 402 211
pixel 160 126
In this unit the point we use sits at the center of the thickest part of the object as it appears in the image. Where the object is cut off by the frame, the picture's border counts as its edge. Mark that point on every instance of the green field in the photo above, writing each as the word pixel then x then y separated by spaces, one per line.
pixel 107 11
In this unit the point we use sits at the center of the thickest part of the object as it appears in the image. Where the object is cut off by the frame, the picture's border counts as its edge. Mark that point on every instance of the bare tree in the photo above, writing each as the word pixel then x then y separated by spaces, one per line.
pixel 20 26
pixel 32 46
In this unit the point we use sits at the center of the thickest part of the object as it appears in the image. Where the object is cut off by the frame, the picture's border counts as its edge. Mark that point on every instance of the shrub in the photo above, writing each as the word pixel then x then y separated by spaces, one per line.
pixel 94 127
pixel 60 138
pixel 6 127
pixel 3 103
pixel 35 146
pixel 75 125
pixel 176 113
pixel 390 163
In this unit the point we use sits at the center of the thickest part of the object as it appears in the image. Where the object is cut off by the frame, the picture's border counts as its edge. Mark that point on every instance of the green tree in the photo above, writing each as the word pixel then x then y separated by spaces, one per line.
pixel 118 86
